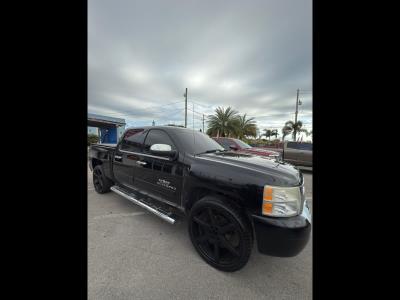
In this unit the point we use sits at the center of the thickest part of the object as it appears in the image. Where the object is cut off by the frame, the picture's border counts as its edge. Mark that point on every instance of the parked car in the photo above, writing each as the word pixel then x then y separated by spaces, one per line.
pixel 296 153
pixel 230 199
pixel 241 147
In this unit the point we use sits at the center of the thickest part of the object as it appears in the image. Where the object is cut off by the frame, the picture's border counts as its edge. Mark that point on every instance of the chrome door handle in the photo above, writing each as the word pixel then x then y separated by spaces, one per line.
pixel 117 157
pixel 142 163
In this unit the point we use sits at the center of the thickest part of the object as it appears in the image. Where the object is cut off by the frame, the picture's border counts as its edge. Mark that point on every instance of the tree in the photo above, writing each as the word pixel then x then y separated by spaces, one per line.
pixel 286 130
pixel 275 133
pixel 244 127
pixel 293 128
pixel 92 139
pixel 268 133
pixel 223 122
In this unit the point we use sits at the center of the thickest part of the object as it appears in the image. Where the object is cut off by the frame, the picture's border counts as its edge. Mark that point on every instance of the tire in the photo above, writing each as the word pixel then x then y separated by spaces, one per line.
pixel 101 183
pixel 220 234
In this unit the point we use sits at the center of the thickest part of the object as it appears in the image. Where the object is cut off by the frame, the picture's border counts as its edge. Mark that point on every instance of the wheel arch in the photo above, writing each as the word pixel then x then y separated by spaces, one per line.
pixel 197 193
pixel 96 162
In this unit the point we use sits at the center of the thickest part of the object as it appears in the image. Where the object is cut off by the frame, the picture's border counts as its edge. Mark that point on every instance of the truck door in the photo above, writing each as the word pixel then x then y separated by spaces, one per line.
pixel 126 156
pixel 305 155
pixel 291 154
pixel 158 176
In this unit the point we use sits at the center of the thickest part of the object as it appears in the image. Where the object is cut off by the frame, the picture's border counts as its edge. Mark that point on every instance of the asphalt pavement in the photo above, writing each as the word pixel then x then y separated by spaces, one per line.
pixel 133 254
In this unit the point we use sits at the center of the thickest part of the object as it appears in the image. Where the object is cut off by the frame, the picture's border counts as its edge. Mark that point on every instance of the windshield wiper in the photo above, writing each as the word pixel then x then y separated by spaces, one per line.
pixel 212 151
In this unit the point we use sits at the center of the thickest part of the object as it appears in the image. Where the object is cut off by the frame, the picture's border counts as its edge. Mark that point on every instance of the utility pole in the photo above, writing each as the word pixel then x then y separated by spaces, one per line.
pixel 186 108
pixel 297 106
pixel 203 122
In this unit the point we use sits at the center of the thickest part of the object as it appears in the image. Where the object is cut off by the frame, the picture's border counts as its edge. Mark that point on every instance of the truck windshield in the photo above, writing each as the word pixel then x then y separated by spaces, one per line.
pixel 242 144
pixel 195 142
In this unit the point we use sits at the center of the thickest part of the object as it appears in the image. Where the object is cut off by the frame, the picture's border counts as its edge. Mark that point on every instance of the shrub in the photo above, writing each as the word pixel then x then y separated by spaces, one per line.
pixel 92 139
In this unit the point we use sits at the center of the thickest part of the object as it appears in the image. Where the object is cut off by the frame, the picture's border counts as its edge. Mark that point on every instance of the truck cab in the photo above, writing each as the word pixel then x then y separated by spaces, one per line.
pixel 298 153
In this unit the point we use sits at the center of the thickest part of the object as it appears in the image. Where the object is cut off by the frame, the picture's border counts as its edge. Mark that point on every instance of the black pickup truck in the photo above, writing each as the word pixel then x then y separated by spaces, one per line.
pixel 229 199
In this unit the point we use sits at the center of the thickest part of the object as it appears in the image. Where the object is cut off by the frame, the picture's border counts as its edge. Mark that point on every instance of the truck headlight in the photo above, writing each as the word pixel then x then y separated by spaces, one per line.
pixel 281 201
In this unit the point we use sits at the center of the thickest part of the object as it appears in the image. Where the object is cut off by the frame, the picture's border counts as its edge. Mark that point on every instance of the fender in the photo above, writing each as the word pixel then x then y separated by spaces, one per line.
pixel 203 176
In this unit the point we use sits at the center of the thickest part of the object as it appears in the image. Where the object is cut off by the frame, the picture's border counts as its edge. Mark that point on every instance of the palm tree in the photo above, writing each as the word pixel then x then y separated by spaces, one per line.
pixel 275 133
pixel 223 123
pixel 268 133
pixel 294 128
pixel 244 127
pixel 286 130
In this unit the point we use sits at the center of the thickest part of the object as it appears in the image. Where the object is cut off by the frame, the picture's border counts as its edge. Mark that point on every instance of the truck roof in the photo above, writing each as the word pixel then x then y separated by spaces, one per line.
pixel 165 127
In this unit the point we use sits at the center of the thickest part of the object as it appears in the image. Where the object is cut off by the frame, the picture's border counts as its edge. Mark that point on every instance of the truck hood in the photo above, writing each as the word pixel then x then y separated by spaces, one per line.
pixel 278 173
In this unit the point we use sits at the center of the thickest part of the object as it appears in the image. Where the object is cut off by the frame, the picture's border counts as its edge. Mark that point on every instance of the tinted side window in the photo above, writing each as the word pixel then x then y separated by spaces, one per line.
pixel 307 146
pixel 133 140
pixel 300 146
pixel 293 145
pixel 225 143
pixel 156 136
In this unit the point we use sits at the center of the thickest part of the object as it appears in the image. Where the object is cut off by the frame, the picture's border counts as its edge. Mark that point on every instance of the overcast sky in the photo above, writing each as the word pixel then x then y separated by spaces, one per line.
pixel 251 55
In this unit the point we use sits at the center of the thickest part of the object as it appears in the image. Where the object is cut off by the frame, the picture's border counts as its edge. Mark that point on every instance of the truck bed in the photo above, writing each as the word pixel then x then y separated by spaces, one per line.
pixel 101 152
pixel 105 146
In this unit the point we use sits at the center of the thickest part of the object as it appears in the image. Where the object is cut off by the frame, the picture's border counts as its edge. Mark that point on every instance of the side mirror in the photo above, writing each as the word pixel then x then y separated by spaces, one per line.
pixel 233 147
pixel 163 150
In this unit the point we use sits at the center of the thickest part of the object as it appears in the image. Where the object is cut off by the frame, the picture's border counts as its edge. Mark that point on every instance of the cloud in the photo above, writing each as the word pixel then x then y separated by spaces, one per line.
pixel 251 55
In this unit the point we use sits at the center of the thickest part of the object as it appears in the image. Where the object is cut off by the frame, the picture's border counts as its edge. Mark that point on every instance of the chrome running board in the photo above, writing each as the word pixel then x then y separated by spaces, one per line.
pixel 153 209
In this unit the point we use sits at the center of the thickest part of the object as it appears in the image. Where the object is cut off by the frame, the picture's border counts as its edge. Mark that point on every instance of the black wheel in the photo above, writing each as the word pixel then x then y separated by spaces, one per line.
pixel 220 234
pixel 101 183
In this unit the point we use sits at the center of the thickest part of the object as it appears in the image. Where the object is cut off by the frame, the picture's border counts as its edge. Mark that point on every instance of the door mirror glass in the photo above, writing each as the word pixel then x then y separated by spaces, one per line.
pixel 162 150
pixel 233 147
pixel 160 147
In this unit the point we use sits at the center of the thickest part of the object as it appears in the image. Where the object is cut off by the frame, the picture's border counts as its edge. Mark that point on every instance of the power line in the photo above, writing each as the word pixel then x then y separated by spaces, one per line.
pixel 195 112
pixel 207 106
pixel 200 113
pixel 271 115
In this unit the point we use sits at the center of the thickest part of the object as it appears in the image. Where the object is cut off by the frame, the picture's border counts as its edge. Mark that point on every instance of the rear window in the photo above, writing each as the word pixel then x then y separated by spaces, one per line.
pixel 225 143
pixel 242 144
